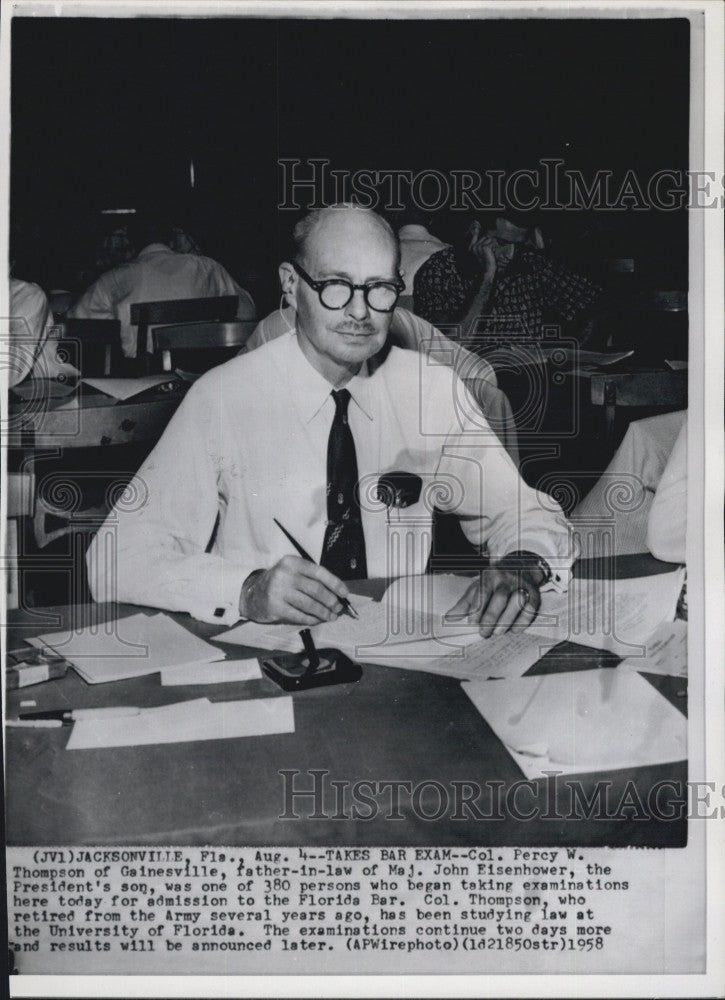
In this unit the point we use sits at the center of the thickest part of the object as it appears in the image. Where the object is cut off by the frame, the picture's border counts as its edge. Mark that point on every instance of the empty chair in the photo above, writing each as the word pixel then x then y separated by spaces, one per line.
pixel 221 308
pixel 660 390
pixel 98 344
pixel 211 343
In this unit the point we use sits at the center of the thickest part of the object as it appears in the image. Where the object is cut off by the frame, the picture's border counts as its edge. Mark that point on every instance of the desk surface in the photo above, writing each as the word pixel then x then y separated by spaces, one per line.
pixel 393 725
pixel 50 416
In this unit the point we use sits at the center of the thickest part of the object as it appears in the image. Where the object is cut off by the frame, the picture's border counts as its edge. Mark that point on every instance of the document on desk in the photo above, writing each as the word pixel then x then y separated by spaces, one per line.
pixel 581 721
pixel 620 615
pixel 129 647
pixel 408 628
pixel 186 722
pixel 666 652
pixel 126 388
pixel 221 672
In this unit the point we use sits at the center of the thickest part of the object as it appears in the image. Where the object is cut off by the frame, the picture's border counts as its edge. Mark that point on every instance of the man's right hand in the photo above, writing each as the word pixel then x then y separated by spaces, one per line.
pixel 293 591
pixel 482 249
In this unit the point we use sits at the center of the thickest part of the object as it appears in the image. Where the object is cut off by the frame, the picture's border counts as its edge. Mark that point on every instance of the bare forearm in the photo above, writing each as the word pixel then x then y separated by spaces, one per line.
pixel 479 305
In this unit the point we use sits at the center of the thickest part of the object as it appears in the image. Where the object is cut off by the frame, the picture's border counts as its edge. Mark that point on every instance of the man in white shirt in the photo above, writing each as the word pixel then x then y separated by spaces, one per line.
pixel 640 500
pixel 417 244
pixel 252 440
pixel 32 336
pixel 158 273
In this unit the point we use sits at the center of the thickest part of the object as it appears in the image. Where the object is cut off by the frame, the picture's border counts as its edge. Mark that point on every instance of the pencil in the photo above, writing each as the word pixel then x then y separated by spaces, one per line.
pixel 305 555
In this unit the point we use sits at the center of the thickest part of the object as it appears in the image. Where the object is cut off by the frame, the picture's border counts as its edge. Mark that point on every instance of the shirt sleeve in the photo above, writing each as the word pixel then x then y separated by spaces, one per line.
pixel 497 510
pixel 97 302
pixel 568 293
pixel 439 289
pixel 667 523
pixel 153 548
pixel 30 319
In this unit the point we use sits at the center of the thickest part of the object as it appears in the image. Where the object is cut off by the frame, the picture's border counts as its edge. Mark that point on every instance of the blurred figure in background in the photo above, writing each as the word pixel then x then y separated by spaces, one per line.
pixel 157 273
pixel 503 273
pixel 32 347
pixel 417 244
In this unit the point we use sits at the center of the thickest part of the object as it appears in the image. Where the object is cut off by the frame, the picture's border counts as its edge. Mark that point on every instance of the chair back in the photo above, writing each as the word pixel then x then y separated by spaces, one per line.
pixel 220 308
pixel 210 342
pixel 663 390
pixel 93 335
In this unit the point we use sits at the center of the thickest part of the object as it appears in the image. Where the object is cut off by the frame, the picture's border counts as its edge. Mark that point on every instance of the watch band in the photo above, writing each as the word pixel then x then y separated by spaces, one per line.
pixel 528 560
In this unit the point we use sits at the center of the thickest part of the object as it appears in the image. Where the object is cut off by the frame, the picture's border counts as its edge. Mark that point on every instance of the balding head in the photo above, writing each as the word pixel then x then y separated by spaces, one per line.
pixel 342 218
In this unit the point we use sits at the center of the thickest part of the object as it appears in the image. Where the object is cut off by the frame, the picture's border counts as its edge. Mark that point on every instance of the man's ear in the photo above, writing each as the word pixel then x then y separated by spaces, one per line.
pixel 288 281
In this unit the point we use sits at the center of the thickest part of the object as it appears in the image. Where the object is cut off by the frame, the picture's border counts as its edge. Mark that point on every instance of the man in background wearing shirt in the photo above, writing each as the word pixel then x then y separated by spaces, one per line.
pixel 158 273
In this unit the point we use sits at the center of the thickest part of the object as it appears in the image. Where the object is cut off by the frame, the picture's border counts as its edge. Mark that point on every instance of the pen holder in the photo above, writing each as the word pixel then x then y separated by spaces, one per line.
pixel 292 670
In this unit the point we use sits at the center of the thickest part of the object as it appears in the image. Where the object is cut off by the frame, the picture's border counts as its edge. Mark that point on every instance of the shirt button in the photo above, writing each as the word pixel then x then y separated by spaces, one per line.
pixel 353 564
pixel 340 498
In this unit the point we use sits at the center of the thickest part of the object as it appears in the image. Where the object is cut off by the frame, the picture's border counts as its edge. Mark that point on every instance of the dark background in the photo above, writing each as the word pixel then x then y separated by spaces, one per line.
pixel 109 112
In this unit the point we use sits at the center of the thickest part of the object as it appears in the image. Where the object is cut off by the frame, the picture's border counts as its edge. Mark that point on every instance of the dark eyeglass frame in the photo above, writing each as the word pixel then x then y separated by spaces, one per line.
pixel 320 286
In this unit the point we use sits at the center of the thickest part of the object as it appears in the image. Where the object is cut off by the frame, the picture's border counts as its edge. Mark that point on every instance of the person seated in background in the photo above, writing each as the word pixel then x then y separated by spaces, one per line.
pixel 32 347
pixel 417 244
pixel 302 429
pixel 156 274
pixel 641 498
pixel 503 273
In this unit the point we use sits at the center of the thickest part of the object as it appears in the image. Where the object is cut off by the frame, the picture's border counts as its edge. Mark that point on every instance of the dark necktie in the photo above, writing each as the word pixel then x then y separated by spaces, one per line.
pixel 343 551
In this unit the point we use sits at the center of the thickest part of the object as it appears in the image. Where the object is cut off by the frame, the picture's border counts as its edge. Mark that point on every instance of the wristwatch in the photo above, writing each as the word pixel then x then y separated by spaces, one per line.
pixel 528 560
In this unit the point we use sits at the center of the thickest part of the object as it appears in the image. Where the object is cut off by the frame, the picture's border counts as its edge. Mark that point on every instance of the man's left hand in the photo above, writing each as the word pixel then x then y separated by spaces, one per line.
pixel 499 599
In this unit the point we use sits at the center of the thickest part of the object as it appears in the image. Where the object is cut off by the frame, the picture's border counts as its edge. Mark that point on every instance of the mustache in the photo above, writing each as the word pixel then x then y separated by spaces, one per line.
pixel 355 328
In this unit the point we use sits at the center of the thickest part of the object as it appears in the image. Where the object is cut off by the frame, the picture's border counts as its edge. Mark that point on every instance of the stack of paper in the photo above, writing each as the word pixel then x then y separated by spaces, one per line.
pixel 130 647
pixel 185 722
pixel 582 721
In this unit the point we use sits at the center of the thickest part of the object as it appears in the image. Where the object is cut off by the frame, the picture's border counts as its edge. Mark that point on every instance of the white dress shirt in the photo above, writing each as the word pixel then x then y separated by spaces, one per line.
pixel 157 274
pixel 32 336
pixel 639 501
pixel 249 444
pixel 416 246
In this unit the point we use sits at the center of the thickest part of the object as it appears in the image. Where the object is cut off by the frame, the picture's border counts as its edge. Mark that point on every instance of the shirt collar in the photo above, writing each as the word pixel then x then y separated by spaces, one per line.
pixel 154 248
pixel 312 390
pixel 413 231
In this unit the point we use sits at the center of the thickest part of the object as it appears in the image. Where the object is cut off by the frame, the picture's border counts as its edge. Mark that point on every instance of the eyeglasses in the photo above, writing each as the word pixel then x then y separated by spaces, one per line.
pixel 336 293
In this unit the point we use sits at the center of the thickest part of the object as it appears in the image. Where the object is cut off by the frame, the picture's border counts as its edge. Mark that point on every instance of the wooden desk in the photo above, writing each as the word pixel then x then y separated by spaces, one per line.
pixel 86 418
pixel 394 725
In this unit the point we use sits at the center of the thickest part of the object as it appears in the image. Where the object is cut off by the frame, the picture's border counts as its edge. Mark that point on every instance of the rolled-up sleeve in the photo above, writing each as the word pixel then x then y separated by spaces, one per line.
pixel 153 549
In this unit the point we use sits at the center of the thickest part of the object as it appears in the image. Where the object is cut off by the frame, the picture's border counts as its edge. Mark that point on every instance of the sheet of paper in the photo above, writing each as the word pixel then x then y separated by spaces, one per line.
pixel 581 721
pixel 125 388
pixel 666 652
pixel 44 388
pixel 620 615
pixel 223 672
pixel 186 722
pixel 129 647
